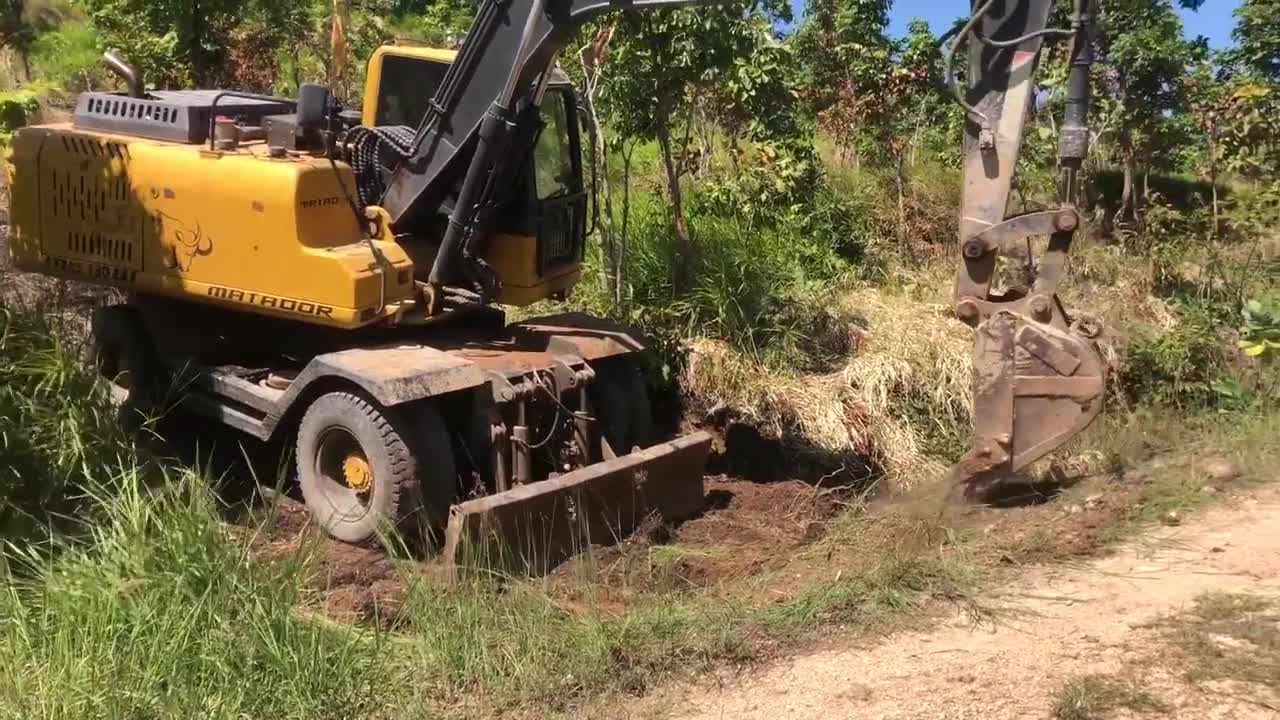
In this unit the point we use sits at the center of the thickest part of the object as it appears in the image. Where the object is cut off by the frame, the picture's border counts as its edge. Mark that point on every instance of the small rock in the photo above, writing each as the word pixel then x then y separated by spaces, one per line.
pixel 1217 549
pixel 1171 518
pixel 1219 468
pixel 1074 510
pixel 1093 501
pixel 1209 490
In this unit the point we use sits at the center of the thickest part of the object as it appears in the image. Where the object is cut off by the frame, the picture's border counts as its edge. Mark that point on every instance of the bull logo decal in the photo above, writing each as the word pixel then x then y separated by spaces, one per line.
pixel 188 244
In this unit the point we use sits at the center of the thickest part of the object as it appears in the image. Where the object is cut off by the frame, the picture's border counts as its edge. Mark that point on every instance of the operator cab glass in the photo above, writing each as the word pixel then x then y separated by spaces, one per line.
pixel 561 202
pixel 555 171
pixel 407 87
pixel 550 202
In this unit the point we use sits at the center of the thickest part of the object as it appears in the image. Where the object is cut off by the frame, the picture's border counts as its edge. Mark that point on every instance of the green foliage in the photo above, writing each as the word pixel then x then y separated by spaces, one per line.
pixel 18 107
pixel 1249 128
pixel 70 56
pixel 1257 36
pixel 863 86
pixel 1183 368
pixel 1260 335
pixel 756 286
pixel 442 23
pixel 658 58
pixel 1147 57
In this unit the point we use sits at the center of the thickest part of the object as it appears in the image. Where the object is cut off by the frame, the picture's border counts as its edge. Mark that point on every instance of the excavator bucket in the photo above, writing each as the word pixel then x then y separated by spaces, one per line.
pixel 1035 387
pixel 1038 378
pixel 532 528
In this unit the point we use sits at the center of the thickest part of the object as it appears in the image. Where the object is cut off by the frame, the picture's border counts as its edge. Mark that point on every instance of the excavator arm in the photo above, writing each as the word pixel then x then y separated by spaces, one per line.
pixel 1038 378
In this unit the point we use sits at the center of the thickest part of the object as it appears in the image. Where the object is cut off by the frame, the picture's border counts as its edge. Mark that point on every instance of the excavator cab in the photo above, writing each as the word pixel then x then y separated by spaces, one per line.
pixel 541 228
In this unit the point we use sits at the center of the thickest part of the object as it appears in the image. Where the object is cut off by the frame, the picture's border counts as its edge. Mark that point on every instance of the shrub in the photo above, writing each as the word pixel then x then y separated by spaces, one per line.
pixel 1183 368
pixel 757 287
pixel 18 108
pixel 70 56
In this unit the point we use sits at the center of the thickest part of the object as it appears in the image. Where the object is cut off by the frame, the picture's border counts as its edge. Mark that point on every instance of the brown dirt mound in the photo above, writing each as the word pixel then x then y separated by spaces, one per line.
pixel 748 529
pixel 348 583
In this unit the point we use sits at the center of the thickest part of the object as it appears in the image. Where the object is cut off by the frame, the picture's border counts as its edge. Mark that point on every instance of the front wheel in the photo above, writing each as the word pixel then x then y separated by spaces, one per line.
pixel 123 355
pixel 363 468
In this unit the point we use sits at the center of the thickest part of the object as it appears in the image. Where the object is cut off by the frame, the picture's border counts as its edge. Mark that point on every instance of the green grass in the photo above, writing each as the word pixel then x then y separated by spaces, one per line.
pixel 153 607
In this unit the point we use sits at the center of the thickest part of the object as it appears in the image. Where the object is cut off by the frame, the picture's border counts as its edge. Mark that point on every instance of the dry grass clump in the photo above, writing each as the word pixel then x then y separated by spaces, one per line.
pixel 908 380
pixel 911 366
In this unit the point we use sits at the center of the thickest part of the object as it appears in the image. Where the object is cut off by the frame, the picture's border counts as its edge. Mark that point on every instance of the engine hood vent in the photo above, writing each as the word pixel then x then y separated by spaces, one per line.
pixel 180 116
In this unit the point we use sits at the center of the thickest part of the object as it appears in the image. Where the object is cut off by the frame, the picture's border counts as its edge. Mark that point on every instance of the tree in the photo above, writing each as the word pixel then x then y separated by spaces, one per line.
pixel 1147 58
pixel 184 42
pixel 847 60
pixel 662 60
pixel 1257 37
pixel 866 87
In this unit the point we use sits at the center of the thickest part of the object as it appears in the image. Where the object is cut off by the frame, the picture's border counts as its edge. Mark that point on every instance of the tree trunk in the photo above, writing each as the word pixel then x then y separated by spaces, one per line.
pixel 684 244
pixel 197 46
pixel 903 240
pixel 1213 177
pixel 624 236
pixel 592 74
pixel 1126 193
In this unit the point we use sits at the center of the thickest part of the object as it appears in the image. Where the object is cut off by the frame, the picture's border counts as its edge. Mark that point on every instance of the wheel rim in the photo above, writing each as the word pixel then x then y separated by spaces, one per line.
pixel 347 474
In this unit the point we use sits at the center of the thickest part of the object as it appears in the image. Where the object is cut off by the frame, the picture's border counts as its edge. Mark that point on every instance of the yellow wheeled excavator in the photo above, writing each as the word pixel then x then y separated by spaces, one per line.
pixel 333 278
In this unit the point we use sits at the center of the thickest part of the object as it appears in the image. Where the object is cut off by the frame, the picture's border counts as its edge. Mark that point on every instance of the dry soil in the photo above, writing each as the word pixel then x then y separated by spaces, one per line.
pixel 1052 625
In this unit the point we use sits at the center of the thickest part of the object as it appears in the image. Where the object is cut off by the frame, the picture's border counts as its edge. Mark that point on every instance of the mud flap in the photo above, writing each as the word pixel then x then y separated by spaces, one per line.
pixel 1035 387
pixel 533 528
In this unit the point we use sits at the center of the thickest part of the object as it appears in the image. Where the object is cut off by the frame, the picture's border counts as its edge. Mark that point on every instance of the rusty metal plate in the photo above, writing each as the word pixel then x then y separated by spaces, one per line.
pixel 537 344
pixel 533 528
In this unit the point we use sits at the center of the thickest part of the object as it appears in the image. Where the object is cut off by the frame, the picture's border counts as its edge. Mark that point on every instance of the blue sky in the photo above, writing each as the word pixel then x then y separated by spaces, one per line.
pixel 1213 20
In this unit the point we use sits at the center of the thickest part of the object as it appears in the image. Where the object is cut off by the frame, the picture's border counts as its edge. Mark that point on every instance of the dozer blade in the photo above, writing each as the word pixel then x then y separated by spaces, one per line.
pixel 1035 387
pixel 534 527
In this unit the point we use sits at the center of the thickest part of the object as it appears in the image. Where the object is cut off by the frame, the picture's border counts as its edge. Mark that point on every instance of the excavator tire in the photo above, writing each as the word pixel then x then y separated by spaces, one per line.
pixel 122 353
pixel 363 468
pixel 620 398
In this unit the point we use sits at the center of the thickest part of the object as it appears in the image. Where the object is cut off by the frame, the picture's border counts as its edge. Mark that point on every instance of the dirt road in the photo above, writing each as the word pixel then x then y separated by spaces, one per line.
pixel 1052 626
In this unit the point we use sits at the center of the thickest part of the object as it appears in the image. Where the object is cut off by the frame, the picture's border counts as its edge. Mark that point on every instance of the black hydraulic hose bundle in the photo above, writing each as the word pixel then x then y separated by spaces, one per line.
pixel 374 154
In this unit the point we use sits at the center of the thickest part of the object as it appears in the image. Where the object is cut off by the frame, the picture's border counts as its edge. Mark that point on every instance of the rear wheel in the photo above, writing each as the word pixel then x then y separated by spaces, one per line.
pixel 620 401
pixel 363 468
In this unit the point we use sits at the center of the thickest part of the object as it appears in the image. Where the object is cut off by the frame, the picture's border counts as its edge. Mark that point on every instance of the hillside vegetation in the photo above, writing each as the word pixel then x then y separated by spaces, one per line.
pixel 778 212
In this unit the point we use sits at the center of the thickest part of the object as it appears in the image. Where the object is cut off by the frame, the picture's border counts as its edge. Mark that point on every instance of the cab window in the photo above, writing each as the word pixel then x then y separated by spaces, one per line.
pixel 554 168
pixel 406 89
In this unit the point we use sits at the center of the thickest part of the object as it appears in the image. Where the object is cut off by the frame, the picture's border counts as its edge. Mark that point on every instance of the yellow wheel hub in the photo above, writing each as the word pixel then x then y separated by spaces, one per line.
pixel 357 473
